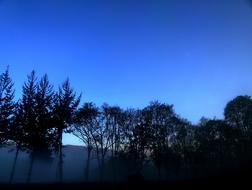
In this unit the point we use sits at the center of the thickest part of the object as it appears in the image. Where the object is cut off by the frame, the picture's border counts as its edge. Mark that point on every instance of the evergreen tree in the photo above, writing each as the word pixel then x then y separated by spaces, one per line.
pixel 16 135
pixel 7 106
pixel 44 109
pixel 34 118
pixel 65 105
pixel 28 118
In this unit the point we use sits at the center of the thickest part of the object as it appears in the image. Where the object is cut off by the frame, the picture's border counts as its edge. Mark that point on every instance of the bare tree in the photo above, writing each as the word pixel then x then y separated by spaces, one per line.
pixel 85 126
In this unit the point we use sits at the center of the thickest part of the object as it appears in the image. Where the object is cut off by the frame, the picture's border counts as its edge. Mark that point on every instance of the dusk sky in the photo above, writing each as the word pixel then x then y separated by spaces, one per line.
pixel 194 54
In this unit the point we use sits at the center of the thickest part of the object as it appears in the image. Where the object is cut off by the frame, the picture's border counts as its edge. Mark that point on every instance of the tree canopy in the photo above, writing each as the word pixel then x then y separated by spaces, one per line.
pixel 155 134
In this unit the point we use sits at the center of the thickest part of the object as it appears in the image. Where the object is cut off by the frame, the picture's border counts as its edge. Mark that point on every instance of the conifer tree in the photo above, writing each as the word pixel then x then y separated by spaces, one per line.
pixel 65 105
pixel 7 105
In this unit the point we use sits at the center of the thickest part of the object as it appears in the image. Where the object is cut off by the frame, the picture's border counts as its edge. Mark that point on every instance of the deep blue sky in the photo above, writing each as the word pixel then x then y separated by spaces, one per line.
pixel 196 54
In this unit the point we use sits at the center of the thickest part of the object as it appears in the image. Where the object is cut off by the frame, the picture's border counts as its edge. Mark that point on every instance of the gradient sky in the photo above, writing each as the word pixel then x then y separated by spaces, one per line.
pixel 194 54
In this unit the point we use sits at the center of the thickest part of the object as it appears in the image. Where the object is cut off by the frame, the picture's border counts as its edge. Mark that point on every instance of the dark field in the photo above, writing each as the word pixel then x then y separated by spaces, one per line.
pixel 238 180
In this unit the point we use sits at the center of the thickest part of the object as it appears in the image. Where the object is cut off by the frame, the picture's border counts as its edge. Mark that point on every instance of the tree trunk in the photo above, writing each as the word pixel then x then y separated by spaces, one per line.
pixel 14 166
pixel 98 158
pixel 28 180
pixel 60 163
pixel 114 168
pixel 102 168
pixel 87 165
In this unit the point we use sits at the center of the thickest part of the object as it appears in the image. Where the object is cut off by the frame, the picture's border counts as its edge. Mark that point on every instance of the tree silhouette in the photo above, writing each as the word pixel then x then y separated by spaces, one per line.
pixel 136 138
pixel 44 108
pixel 238 114
pixel 159 116
pixel 7 112
pixel 65 105
pixel 7 106
pixel 85 126
pixel 140 147
pixel 16 134
pixel 28 117
pixel 103 138
pixel 218 146
pixel 34 118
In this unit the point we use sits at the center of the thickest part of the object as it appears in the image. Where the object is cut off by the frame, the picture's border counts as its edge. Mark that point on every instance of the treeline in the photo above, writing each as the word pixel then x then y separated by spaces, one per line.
pixel 135 138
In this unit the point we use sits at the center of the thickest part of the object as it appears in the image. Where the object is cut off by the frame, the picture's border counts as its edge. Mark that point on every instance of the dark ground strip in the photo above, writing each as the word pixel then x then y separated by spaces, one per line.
pixel 238 181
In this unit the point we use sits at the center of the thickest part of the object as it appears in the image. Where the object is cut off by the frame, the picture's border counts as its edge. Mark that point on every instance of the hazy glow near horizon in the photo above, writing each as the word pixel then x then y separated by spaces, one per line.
pixel 193 54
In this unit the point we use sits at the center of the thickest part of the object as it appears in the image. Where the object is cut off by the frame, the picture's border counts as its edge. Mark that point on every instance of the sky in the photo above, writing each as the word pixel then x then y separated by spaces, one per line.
pixel 194 54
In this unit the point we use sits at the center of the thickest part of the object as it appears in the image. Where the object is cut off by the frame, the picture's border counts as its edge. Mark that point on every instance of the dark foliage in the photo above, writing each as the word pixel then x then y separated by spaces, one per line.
pixel 7 106
pixel 130 140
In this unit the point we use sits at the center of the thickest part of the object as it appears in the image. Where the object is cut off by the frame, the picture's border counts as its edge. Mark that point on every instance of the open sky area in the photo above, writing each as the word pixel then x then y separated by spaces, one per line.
pixel 194 54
